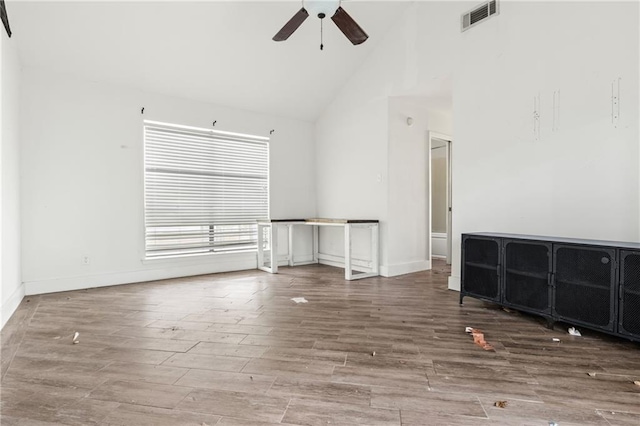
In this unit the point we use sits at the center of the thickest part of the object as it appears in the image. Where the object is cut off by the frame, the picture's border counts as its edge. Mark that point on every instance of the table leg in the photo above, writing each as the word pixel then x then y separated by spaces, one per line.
pixel 375 261
pixel 316 243
pixel 274 248
pixel 347 252
pixel 290 249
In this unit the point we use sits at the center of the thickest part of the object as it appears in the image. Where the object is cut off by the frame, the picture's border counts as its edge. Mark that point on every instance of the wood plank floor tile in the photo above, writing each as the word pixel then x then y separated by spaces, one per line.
pixel 312 412
pixel 231 421
pixel 313 355
pixel 418 418
pixel 620 418
pixel 225 349
pixel 21 421
pixel 428 402
pixel 140 393
pixel 292 369
pixel 129 414
pixel 207 362
pixel 254 407
pixel 521 412
pixel 85 411
pixel 160 374
pixel 180 334
pixel 277 341
pixel 322 391
pixel 225 381
pixel 179 325
pixel 143 356
pixel 380 377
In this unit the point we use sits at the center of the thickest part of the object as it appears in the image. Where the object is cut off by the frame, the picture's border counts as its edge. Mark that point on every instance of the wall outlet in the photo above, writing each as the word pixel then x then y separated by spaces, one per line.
pixel 86 260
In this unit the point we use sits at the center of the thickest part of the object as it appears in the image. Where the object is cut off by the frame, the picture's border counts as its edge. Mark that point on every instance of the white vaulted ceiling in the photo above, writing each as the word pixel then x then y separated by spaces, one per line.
pixel 219 52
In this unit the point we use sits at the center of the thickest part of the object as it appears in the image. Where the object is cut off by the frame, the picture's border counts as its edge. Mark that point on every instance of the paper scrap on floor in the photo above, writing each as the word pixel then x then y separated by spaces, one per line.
pixel 299 300
pixel 478 338
pixel 572 331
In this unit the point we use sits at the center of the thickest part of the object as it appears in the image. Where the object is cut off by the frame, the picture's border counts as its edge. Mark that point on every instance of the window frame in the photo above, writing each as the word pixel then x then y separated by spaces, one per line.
pixel 211 249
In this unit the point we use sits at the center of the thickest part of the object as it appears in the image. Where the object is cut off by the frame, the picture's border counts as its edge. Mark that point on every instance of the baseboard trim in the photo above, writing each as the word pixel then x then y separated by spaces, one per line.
pixel 11 304
pixel 131 277
pixel 405 268
pixel 283 259
pixel 454 283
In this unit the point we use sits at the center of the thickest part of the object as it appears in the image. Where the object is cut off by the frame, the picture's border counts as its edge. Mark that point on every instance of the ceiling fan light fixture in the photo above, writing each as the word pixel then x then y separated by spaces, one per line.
pixel 321 8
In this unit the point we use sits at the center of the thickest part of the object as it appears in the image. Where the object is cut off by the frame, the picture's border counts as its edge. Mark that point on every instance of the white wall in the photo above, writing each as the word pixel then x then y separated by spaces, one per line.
pixel 82 187
pixel 369 163
pixel 409 197
pixel 580 180
pixel 11 288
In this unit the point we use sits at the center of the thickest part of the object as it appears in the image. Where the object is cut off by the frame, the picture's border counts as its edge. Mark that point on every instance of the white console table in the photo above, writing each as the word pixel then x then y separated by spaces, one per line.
pixel 367 268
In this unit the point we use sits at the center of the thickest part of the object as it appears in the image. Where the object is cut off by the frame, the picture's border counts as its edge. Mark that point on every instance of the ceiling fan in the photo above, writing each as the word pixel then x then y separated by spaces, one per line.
pixel 322 9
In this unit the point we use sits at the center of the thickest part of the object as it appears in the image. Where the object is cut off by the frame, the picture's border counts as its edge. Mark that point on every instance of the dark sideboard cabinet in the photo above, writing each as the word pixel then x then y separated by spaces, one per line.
pixel 588 283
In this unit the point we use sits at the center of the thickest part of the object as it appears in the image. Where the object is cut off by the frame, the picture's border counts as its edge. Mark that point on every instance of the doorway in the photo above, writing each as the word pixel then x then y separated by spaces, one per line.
pixel 440 210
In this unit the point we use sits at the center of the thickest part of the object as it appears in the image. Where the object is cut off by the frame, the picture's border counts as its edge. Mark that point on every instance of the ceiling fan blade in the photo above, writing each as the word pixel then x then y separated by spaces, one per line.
pixel 292 25
pixel 349 27
pixel 5 18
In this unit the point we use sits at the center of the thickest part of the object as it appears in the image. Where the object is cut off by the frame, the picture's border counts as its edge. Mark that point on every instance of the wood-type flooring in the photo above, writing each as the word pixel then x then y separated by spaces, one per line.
pixel 234 349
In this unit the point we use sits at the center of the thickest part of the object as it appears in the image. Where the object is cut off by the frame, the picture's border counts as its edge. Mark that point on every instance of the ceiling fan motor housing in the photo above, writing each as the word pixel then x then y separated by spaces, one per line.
pixel 321 8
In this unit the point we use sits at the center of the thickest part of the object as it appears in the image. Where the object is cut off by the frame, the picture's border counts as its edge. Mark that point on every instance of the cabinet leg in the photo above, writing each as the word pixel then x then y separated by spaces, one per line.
pixel 461 297
pixel 550 323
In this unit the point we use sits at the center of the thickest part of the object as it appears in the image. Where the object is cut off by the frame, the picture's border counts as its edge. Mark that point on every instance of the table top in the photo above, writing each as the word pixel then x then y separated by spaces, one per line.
pixel 318 220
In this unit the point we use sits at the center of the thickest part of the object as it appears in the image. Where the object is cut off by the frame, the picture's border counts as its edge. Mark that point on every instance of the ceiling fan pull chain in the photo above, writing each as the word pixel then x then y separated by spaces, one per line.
pixel 321 35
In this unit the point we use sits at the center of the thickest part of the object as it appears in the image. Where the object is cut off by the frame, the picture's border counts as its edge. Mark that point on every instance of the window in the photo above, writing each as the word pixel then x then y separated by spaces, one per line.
pixel 203 190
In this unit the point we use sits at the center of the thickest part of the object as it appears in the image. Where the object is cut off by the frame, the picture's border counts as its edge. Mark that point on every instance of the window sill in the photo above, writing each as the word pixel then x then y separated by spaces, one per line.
pixel 194 257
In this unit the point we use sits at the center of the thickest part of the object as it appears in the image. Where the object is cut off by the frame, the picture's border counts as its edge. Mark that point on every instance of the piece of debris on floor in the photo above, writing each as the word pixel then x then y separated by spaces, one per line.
pixel 507 310
pixel 555 339
pixel 299 300
pixel 591 374
pixel 75 338
pixel 374 353
pixel 57 337
pixel 500 404
pixel 478 338
pixel 552 423
pixel 637 383
pixel 574 332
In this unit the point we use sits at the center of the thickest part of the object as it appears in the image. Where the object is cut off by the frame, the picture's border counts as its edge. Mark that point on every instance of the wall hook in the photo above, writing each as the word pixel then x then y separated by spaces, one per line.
pixel 214 122
pixel 142 110
pixel 271 132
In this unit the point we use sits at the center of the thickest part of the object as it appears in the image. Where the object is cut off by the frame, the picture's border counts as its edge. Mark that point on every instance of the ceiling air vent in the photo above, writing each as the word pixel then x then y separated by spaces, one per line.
pixel 479 14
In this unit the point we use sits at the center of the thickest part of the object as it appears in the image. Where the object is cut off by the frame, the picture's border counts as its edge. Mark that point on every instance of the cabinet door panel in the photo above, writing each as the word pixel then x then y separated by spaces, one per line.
pixel 481 267
pixel 584 281
pixel 629 322
pixel 527 266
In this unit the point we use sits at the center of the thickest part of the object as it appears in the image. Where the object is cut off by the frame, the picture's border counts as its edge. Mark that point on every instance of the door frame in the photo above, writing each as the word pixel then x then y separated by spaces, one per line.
pixel 431 135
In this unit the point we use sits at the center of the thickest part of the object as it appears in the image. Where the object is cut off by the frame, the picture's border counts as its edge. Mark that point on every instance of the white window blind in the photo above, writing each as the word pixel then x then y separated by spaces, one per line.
pixel 204 190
